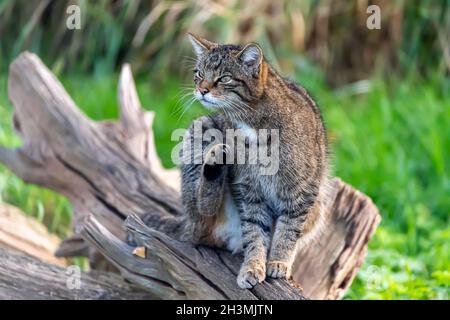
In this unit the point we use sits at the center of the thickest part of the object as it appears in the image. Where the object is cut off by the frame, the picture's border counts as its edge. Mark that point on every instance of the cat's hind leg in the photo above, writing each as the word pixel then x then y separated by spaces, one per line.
pixel 211 184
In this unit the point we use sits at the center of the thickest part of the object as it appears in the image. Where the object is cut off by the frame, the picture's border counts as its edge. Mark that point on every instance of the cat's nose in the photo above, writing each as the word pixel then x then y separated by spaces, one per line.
pixel 203 91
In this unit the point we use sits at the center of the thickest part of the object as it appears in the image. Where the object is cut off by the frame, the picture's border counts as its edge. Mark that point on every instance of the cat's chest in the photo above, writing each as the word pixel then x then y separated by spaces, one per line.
pixel 255 148
pixel 259 171
pixel 268 188
pixel 254 184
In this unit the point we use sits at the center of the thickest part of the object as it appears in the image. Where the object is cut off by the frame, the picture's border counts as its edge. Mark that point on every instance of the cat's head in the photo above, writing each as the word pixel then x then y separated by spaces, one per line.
pixel 227 76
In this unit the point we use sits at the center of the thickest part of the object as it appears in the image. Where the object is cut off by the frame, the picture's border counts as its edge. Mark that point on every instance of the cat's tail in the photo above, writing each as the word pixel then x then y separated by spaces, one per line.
pixel 196 230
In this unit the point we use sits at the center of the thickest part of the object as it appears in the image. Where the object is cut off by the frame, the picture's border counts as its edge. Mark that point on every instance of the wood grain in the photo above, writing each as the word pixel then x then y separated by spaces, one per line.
pixel 26 278
pixel 22 233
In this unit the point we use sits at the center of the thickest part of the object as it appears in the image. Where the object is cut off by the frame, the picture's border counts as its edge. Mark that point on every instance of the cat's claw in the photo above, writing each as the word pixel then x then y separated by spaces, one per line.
pixel 250 276
pixel 216 155
pixel 278 270
pixel 215 162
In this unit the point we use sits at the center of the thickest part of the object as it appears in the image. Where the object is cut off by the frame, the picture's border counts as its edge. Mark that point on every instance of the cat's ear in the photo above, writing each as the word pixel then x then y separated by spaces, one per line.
pixel 200 44
pixel 251 56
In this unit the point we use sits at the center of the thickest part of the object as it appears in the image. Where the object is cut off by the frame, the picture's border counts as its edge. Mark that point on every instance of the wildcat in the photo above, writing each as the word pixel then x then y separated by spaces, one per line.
pixel 233 205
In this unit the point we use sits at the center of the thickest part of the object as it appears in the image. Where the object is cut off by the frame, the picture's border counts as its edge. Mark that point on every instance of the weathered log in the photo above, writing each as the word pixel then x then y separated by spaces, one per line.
pixel 26 278
pixel 109 170
pixel 22 233
pixel 327 267
pixel 177 270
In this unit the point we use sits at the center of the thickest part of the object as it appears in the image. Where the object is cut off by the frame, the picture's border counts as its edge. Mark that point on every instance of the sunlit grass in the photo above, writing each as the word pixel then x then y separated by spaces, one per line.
pixel 393 144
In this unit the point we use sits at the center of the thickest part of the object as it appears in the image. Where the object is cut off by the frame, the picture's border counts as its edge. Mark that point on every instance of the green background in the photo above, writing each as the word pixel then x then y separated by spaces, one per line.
pixel 384 95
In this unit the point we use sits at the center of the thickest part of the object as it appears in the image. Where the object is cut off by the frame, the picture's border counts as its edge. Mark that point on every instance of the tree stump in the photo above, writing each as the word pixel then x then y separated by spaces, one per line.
pixel 110 171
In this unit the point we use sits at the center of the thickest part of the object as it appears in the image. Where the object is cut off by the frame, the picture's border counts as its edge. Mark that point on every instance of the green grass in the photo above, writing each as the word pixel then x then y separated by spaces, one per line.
pixel 393 145
pixel 390 139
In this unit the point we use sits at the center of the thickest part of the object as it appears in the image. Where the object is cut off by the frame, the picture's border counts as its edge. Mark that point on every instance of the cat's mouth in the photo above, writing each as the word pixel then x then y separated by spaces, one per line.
pixel 208 104
pixel 207 101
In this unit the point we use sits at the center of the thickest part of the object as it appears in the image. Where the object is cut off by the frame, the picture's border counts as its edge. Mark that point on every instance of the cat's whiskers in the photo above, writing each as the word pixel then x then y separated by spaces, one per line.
pixel 186 86
pixel 242 111
pixel 245 106
pixel 186 107
pixel 226 110
pixel 229 109
pixel 189 62
pixel 189 58
pixel 239 110
pixel 188 93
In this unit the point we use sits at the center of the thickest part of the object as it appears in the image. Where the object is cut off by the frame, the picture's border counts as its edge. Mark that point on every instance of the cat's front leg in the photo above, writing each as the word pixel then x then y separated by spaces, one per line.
pixel 256 239
pixel 256 225
pixel 295 207
pixel 289 228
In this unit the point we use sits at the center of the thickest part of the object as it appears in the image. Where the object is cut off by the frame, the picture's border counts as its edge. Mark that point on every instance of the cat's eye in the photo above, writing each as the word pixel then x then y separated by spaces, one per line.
pixel 198 74
pixel 225 79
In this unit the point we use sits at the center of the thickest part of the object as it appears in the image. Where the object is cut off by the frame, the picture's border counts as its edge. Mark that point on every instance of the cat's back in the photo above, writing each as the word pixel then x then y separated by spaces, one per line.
pixel 302 98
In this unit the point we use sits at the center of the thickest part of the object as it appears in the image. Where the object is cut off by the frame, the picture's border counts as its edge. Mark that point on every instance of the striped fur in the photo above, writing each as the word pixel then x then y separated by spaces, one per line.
pixel 279 212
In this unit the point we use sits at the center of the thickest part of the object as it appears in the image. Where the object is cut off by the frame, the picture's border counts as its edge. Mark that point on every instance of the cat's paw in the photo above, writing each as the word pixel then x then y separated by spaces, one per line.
pixel 278 269
pixel 251 274
pixel 215 161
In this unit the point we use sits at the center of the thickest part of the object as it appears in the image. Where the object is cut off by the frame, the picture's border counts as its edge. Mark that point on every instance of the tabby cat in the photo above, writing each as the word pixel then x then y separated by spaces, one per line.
pixel 233 205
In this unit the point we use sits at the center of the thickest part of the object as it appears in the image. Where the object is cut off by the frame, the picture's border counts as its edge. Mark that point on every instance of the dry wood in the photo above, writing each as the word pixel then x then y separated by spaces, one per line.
pixel 327 267
pixel 23 233
pixel 110 170
pixel 24 278
pixel 176 270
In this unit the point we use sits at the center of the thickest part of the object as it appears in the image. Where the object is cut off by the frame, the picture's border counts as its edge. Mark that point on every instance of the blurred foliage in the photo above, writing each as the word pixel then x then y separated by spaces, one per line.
pixel 385 95
pixel 151 34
